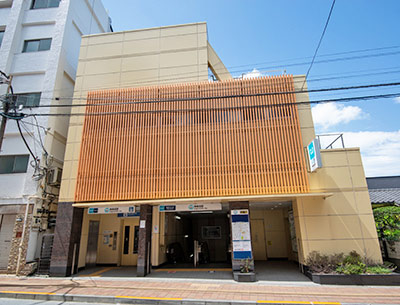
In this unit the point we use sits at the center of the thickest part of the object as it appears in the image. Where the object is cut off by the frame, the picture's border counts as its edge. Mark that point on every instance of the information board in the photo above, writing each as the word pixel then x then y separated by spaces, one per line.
pixel 241 238
pixel 192 207
pixel 111 210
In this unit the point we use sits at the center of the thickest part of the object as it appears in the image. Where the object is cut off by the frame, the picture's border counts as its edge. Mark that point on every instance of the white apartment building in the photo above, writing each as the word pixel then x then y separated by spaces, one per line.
pixel 39 47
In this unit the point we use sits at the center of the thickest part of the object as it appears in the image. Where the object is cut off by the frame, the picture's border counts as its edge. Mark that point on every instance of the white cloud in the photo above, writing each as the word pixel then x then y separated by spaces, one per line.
pixel 253 74
pixel 332 114
pixel 397 100
pixel 380 151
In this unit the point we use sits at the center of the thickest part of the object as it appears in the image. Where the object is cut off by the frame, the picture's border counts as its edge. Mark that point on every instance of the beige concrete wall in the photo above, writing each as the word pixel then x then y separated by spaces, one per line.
pixel 344 221
pixel 216 65
pixel 276 238
pixel 304 110
pixel 148 57
pixel 105 252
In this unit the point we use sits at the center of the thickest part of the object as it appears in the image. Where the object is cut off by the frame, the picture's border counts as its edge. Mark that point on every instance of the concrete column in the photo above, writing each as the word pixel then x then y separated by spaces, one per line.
pixel 239 205
pixel 67 235
pixel 144 248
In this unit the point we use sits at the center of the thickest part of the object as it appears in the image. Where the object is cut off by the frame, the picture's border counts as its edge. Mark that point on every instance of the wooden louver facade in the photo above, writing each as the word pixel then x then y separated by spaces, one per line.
pixel 231 138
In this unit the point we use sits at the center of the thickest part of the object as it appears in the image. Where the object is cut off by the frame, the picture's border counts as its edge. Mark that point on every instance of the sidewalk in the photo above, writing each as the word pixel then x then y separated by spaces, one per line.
pixel 190 291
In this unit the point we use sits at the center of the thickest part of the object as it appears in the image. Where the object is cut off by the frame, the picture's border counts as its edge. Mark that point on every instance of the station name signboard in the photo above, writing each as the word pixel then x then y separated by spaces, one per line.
pixel 193 207
pixel 314 155
pixel 111 210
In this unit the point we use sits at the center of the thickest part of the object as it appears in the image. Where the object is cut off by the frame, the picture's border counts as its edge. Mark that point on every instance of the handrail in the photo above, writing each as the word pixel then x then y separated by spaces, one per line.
pixel 330 146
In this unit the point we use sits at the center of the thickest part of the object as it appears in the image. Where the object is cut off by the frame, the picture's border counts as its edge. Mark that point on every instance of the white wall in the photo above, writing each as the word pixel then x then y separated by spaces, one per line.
pixel 51 72
pixel 4 13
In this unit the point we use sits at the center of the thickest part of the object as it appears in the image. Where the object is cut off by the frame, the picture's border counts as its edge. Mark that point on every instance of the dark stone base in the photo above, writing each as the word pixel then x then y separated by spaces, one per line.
pixel 140 271
pixel 244 277
pixel 392 279
pixel 60 271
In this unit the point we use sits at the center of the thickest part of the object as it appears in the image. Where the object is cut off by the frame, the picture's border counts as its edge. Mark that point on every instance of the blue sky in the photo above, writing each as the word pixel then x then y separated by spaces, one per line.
pixel 281 35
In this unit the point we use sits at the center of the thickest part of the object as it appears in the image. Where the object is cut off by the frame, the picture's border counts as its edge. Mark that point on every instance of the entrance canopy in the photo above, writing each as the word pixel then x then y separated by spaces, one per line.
pixel 254 198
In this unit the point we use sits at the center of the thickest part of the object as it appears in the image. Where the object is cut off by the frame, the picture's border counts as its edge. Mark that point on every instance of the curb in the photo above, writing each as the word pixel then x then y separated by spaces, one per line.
pixel 144 301
pixel 122 300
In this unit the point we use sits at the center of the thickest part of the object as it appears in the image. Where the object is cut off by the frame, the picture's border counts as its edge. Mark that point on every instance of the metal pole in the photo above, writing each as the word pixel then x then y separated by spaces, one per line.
pixel 6 107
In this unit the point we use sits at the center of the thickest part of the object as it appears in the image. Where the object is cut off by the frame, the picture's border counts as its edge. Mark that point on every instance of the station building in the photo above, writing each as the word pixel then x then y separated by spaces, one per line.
pixel 164 166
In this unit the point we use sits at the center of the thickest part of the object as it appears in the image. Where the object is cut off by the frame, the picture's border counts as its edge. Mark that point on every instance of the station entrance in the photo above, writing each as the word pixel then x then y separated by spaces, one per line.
pixel 197 239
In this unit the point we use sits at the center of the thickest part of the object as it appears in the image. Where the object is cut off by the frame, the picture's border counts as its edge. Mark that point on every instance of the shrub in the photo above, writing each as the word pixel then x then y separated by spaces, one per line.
pixel 348 268
pixel 378 270
pixel 319 263
pixel 352 263
pixel 245 267
pixel 387 220
pixel 353 258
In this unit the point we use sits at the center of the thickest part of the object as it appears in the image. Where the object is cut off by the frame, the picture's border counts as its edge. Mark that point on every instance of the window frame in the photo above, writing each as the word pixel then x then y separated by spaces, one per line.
pixel 2 32
pixel 38 96
pixel 49 4
pixel 14 164
pixel 41 43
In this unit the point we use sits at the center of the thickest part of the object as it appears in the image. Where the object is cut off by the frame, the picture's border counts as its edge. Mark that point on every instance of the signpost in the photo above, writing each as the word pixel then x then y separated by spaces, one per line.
pixel 314 155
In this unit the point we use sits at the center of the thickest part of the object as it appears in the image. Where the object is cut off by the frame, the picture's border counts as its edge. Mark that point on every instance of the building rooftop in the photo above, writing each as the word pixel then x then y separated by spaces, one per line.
pixel 384 189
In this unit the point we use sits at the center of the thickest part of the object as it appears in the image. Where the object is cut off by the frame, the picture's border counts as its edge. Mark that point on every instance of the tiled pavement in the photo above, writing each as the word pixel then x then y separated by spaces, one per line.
pixel 178 291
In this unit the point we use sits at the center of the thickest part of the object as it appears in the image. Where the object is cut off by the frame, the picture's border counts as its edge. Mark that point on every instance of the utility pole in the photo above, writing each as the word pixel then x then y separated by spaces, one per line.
pixel 6 106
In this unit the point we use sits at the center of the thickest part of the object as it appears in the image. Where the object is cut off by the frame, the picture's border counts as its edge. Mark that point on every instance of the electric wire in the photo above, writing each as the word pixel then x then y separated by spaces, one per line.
pixel 320 41
pixel 324 78
pixel 156 80
pixel 31 134
pixel 26 144
pixel 40 126
pixel 345 99
pixel 253 65
pixel 152 101
pixel 40 136
pixel 184 76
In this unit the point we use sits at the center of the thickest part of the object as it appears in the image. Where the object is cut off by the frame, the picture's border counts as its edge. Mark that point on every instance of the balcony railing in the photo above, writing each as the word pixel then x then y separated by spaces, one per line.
pixel 330 141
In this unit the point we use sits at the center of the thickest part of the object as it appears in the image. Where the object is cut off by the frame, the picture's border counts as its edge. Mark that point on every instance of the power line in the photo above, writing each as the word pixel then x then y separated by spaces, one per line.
pixel 157 80
pixel 322 55
pixel 324 78
pixel 180 76
pixel 185 99
pixel 26 144
pixel 345 99
pixel 320 41
pixel 184 76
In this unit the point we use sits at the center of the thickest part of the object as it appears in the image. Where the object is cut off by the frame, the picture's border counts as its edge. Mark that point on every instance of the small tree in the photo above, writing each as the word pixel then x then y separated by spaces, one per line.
pixel 387 221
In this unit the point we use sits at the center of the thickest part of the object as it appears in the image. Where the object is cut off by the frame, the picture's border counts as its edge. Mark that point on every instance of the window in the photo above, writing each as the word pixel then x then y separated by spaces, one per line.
pixel 1 36
pixel 13 164
pixel 28 99
pixel 45 3
pixel 37 45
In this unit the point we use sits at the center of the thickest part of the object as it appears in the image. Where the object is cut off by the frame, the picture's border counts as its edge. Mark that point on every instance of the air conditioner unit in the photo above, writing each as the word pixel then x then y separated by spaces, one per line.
pixel 54 176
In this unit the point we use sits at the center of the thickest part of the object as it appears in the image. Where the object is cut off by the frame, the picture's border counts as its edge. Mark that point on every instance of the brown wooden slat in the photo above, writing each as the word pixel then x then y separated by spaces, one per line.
pixel 204 153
